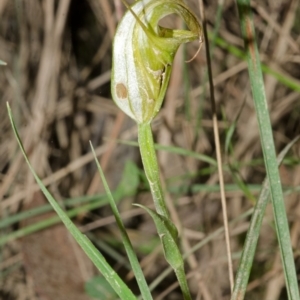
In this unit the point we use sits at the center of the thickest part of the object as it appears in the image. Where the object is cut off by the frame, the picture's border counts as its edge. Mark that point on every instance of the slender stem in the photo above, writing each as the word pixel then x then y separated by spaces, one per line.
pixel 151 168
pixel 218 147
pixel 180 274
pixel 153 175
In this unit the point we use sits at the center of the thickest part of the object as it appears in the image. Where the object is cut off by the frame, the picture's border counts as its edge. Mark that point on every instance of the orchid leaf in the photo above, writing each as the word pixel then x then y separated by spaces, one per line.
pixel 168 235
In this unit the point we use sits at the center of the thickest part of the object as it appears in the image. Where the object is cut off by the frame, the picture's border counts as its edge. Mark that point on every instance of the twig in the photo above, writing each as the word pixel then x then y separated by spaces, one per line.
pixel 218 148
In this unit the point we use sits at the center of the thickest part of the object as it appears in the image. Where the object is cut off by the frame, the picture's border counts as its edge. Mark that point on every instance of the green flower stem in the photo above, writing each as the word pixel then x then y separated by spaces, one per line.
pixel 180 274
pixel 166 234
pixel 151 168
pixel 143 54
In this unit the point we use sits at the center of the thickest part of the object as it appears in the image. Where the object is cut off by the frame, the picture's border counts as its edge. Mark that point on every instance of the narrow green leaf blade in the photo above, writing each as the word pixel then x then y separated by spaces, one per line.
pixel 99 288
pixel 267 143
pixel 246 261
pixel 91 251
pixel 127 244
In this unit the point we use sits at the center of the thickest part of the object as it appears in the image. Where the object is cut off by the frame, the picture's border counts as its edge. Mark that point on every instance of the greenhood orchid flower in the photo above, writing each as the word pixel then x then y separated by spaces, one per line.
pixel 143 53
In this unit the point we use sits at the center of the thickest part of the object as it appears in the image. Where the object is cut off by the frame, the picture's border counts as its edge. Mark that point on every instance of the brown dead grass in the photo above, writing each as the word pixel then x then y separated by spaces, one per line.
pixel 57 83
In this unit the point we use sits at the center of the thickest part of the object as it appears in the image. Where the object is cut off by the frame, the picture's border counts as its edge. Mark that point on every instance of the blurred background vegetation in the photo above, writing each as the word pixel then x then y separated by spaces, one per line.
pixel 57 81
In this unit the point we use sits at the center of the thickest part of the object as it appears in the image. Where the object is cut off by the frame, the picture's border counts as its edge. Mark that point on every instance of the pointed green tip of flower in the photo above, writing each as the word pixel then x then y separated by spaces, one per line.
pixel 3 63
pixel 143 55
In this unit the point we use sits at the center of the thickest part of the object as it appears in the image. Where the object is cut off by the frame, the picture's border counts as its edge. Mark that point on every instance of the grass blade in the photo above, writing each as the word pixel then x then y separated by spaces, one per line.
pixel 267 143
pixel 246 261
pixel 285 79
pixel 91 251
pixel 176 150
pixel 127 244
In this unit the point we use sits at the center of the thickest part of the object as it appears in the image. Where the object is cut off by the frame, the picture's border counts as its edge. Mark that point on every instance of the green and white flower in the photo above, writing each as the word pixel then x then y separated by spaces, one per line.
pixel 143 53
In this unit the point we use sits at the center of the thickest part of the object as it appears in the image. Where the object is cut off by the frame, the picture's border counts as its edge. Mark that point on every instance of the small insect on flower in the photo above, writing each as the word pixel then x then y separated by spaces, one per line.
pixel 143 53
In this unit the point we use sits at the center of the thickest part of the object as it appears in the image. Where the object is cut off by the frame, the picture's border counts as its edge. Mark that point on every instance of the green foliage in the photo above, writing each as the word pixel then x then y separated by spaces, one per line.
pixel 91 251
pixel 267 143
pixel 99 288
pixel 168 235
pixel 249 247
pixel 126 188
pixel 127 244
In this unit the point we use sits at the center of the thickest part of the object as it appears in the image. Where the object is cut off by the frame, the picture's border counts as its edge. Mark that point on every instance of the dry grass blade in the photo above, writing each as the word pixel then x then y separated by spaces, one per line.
pixel 218 147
